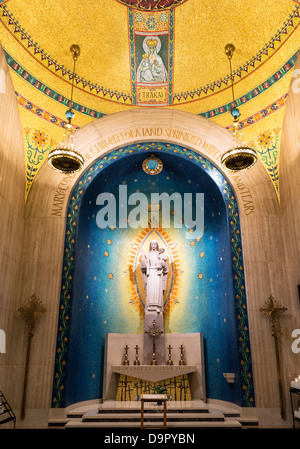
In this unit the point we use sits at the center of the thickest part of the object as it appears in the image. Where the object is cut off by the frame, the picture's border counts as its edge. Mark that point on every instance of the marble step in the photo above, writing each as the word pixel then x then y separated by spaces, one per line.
pixel 130 411
pixel 157 409
pixel 226 424
pixel 58 423
pixel 248 422
pixel 124 417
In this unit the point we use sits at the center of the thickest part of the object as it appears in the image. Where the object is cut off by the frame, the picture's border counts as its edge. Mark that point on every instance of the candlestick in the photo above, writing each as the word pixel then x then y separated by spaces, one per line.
pixel 136 362
pixel 126 361
pixel 181 361
pixel 170 361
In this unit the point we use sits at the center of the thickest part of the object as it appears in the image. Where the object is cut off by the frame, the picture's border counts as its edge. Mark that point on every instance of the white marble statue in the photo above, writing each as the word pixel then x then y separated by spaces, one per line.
pixel 155 269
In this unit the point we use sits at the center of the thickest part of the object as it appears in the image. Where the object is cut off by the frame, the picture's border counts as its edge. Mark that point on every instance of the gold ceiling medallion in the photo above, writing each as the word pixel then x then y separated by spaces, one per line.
pixel 240 156
pixel 152 165
pixel 65 158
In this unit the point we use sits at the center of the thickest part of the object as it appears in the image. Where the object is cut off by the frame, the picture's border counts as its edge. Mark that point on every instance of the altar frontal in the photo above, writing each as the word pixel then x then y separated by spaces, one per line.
pixel 181 375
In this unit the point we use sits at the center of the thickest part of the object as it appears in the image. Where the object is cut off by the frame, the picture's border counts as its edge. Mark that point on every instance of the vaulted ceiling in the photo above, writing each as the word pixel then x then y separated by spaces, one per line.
pixel 189 37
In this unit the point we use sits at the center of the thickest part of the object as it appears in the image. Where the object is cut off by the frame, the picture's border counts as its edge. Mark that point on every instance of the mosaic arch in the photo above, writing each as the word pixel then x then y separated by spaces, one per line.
pixel 79 350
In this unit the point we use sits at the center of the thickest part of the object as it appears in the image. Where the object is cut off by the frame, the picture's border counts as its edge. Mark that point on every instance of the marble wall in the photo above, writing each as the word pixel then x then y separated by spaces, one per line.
pixel 12 185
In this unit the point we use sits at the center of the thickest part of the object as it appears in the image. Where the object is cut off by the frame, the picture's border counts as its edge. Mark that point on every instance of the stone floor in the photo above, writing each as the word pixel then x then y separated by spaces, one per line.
pixel 187 414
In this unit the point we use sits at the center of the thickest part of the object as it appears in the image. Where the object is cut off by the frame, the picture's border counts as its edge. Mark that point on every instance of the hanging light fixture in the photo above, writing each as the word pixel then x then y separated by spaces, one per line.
pixel 65 158
pixel 240 156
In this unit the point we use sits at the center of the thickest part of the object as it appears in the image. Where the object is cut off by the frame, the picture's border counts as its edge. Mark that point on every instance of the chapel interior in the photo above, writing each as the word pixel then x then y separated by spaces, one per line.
pixel 104 299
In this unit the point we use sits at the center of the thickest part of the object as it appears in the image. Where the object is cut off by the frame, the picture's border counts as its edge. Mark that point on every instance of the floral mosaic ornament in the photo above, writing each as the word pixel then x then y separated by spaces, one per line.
pixel 38 145
pixel 267 147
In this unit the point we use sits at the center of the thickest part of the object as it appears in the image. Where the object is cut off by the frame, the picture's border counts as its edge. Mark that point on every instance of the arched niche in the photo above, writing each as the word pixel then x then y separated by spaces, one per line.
pixel 102 289
pixel 47 206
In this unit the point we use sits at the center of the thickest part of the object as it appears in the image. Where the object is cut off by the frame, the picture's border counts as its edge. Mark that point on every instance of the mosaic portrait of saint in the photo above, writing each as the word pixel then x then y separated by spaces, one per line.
pixel 151 68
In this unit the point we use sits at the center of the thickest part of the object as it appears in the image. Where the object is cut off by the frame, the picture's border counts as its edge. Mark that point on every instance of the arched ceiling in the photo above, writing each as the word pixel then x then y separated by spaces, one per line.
pixel 192 35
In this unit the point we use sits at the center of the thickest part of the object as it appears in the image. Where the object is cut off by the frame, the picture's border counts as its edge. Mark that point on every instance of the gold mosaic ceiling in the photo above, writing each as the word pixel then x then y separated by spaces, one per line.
pixel 111 34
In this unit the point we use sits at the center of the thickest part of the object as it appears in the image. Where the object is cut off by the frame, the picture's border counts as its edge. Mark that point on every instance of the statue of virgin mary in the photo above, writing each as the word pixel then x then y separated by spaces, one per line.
pixel 155 269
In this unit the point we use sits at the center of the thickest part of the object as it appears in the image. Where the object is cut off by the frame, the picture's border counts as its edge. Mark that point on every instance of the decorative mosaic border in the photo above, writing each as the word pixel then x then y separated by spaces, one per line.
pixel 31 107
pixel 239 290
pixel 65 309
pixel 171 55
pixel 13 64
pixel 273 169
pixel 262 113
pixel 22 101
pixel 263 87
pixel 132 55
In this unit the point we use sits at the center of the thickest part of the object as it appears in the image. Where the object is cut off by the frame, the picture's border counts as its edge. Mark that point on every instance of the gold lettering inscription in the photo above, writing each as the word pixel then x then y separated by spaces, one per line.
pixel 153 95
pixel 156 368
pixel 183 136
pixel 117 139
pixel 245 195
pixel 137 133
pixel 60 195
pixel 210 149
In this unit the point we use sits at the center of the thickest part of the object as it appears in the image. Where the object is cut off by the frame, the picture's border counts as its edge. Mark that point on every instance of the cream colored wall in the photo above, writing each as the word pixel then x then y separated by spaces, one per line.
pixel 272 251
pixel 12 194
pixel 266 252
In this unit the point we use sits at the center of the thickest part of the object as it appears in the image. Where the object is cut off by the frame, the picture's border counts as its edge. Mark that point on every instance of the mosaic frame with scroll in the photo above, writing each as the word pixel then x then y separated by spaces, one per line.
pixel 151 39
